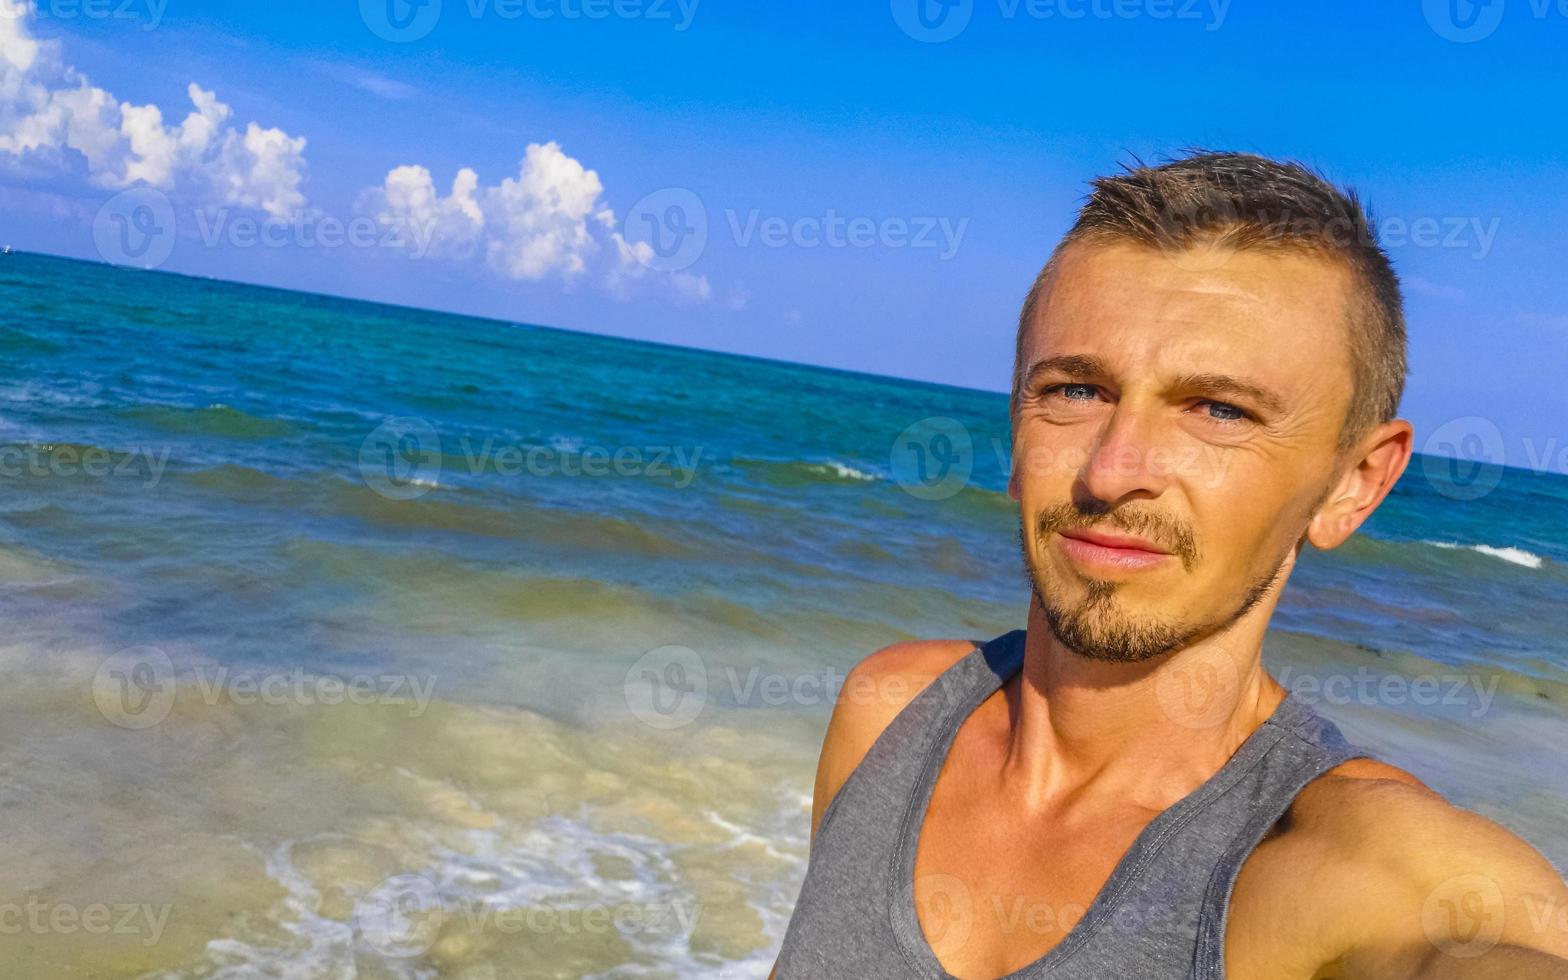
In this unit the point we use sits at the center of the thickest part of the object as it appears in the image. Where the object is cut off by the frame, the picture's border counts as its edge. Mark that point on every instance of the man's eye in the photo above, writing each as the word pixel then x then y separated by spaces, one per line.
pixel 1073 392
pixel 1223 412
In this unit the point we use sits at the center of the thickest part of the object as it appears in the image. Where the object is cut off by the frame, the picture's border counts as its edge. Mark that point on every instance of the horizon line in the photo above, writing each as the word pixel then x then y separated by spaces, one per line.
pixel 518 324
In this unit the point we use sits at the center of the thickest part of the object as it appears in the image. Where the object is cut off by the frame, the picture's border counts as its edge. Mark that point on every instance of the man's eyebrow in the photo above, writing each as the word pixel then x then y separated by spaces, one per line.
pixel 1084 366
pixel 1069 365
pixel 1224 384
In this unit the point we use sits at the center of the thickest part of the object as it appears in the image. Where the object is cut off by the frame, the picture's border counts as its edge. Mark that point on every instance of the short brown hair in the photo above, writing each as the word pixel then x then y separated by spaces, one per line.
pixel 1244 201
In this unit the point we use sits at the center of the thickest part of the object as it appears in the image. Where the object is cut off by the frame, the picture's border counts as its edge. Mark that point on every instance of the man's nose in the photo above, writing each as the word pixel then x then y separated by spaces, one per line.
pixel 1127 459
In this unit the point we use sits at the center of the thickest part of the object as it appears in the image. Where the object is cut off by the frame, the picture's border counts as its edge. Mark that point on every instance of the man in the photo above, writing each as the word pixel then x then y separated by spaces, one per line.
pixel 1208 371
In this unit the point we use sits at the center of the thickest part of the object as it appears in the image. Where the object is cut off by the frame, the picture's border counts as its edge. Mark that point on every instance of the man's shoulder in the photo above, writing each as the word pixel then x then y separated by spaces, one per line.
pixel 1381 823
pixel 915 663
pixel 1344 822
pixel 1368 856
pixel 1366 810
pixel 875 690
pixel 884 682
pixel 1337 804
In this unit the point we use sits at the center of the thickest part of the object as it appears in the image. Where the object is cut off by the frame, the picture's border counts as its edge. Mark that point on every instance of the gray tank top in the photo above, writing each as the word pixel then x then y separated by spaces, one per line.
pixel 1161 914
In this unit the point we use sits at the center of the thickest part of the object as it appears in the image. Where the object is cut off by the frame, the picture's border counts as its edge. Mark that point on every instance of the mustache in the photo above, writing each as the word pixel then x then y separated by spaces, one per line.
pixel 1169 534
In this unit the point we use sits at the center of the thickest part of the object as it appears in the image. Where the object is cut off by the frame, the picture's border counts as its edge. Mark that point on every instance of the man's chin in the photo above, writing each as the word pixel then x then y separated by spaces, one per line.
pixel 1114 639
pixel 1100 620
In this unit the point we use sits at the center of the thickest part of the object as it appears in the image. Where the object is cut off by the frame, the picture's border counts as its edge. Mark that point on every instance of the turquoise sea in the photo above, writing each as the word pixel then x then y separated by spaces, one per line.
pixel 345 640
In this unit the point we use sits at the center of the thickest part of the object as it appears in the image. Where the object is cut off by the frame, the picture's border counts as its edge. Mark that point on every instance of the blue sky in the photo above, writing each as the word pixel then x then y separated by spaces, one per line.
pixel 932 176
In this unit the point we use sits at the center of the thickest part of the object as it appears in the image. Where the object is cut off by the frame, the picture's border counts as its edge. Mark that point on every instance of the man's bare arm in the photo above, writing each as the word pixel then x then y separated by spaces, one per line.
pixel 1455 895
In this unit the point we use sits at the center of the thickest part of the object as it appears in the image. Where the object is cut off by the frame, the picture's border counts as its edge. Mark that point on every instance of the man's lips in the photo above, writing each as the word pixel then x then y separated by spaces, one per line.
pixel 1117 541
pixel 1100 550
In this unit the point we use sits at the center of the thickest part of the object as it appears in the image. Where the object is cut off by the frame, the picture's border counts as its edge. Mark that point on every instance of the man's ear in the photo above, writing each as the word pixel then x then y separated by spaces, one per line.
pixel 1373 467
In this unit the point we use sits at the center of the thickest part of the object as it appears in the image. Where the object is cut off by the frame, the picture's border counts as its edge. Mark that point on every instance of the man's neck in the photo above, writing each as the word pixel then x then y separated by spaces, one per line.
pixel 1148 733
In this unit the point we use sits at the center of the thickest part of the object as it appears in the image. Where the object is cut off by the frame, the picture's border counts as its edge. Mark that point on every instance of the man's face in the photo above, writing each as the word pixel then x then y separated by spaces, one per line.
pixel 1193 404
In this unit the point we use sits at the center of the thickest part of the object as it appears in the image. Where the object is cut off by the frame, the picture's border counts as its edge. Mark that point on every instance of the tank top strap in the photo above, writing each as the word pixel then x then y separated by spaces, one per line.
pixel 1311 746
pixel 909 742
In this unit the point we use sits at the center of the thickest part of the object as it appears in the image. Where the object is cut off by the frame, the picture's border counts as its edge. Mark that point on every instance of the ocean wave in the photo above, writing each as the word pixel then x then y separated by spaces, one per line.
pixel 15 341
pixel 1517 556
pixel 843 471
pixel 51 394
pixel 21 568
pixel 217 419
pixel 573 531
pixel 801 473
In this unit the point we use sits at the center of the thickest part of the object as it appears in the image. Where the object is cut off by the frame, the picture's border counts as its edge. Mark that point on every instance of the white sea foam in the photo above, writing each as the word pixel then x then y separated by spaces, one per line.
pixel 843 471
pixel 1517 556
pixel 743 835
pixel 38 394
pixel 323 948
pixel 555 869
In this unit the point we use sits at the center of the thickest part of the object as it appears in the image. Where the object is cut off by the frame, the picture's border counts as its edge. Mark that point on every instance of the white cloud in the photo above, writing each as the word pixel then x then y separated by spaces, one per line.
pixel 51 112
pixel 549 221
pixel 634 267
pixel 540 218
pixel 381 86
pixel 692 287
pixel 441 227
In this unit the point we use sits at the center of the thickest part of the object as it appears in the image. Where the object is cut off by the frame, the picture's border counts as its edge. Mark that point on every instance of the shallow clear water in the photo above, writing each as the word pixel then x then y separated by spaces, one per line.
pixel 353 641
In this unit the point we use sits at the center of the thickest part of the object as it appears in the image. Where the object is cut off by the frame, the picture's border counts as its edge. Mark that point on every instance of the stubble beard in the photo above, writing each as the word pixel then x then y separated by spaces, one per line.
pixel 1098 628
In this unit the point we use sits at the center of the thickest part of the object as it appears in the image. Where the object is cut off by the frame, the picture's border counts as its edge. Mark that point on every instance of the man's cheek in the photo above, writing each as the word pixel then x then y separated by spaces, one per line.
pixel 1049 466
